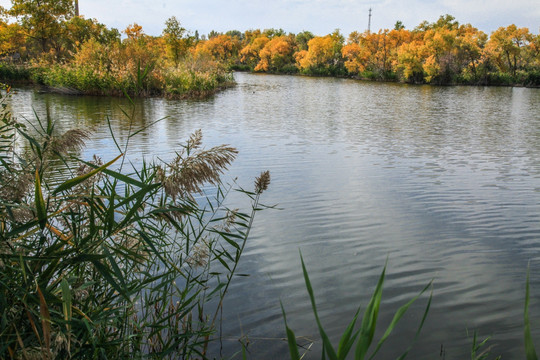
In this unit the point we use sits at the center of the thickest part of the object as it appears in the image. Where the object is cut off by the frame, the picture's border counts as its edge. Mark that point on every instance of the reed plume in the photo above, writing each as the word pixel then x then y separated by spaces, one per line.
pixel 192 167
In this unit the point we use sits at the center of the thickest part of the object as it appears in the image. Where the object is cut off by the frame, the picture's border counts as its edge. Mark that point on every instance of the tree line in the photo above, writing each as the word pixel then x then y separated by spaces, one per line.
pixel 443 52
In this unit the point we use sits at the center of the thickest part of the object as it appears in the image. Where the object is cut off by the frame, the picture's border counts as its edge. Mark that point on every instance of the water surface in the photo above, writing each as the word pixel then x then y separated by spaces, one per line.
pixel 442 181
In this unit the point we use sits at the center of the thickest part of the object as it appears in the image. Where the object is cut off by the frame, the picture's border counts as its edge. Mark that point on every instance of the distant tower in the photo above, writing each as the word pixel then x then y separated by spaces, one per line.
pixel 369 22
pixel 76 7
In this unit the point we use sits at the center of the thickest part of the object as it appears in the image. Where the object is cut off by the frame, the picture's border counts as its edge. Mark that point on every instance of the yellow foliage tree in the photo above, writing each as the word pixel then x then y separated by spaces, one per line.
pixel 323 54
pixel 411 57
pixel 249 54
pixel 12 41
pixel 276 54
pixel 507 47
pixel 221 48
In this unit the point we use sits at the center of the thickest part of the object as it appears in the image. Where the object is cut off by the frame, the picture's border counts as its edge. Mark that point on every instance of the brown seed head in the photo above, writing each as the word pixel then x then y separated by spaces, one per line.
pixel 262 182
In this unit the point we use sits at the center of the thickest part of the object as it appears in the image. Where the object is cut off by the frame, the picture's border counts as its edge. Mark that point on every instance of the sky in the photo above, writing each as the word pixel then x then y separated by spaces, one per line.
pixel 321 17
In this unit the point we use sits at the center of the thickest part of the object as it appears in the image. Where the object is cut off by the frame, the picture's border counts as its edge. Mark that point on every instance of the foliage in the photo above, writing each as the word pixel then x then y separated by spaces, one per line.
pixel 110 263
pixel 42 19
pixel 47 35
pixel 174 38
pixel 363 337
pixel 276 54
pixel 323 56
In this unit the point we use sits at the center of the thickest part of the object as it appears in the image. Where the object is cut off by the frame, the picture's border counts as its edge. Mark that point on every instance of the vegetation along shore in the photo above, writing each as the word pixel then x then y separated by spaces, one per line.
pixel 49 45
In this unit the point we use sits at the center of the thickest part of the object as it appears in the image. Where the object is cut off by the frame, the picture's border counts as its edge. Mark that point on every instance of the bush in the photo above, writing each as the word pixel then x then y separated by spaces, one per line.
pixel 14 73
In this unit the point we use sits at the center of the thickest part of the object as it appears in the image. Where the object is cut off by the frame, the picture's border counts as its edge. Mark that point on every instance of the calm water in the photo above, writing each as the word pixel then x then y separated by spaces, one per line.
pixel 444 181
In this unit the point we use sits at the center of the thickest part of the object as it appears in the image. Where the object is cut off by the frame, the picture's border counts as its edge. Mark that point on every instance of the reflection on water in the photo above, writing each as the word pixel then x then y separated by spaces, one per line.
pixel 445 181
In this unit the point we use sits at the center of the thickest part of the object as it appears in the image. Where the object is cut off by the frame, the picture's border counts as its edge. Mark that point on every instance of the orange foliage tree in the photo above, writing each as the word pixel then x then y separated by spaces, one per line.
pixel 221 48
pixel 277 54
pixel 249 55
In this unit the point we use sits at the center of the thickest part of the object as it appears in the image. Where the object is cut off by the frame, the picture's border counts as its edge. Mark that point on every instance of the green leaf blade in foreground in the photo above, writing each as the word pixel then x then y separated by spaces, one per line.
pixel 326 341
pixel 530 352
pixel 397 317
pixel 369 322
pixel 291 338
pixel 348 338
pixel 79 179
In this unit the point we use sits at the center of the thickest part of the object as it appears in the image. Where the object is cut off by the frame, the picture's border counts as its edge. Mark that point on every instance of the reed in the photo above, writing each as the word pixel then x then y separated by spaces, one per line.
pixel 361 338
pixel 112 261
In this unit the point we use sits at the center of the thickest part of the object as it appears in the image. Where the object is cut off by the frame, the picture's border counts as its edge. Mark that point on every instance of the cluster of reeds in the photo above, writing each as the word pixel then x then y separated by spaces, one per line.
pixel 360 338
pixel 112 262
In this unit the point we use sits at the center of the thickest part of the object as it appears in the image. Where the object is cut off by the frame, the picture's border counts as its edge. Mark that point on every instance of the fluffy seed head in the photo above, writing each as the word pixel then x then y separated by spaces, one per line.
pixel 262 182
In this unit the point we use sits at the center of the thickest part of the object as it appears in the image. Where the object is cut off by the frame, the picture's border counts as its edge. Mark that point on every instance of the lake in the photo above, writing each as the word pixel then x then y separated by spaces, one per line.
pixel 442 181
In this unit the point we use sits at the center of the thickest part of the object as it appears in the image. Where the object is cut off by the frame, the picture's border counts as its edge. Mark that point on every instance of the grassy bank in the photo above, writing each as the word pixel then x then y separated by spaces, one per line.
pixel 170 82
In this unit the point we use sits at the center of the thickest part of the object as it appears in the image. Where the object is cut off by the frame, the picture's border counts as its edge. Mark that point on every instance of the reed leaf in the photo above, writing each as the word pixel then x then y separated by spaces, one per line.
pixel 79 179
pixel 348 338
pixel 329 349
pixel 291 338
pixel 369 321
pixel 45 322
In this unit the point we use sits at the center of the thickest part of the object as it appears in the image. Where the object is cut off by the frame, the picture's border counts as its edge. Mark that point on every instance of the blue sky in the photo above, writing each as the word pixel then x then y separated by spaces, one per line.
pixel 318 16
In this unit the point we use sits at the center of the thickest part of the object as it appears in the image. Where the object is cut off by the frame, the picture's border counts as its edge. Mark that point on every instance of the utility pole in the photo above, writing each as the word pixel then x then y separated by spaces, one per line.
pixel 369 22
pixel 77 8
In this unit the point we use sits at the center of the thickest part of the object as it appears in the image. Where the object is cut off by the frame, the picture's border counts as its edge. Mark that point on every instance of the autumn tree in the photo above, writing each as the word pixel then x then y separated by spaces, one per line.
pixel 12 41
pixel 250 54
pixel 271 33
pixel 410 59
pixel 356 55
pixel 220 48
pixel 277 54
pixel 323 56
pixel 506 47
pixel 41 19
pixel 78 30
pixel 470 44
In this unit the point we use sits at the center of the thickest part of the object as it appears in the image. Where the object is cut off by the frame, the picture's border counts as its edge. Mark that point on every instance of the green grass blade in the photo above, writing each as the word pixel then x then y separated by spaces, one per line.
pixel 369 322
pixel 112 134
pixel 329 349
pixel 397 317
pixel 530 352
pixel 348 338
pixel 291 339
pixel 106 273
pixel 426 311
pixel 66 300
pixel 79 179
pixel 119 176
pixel 147 126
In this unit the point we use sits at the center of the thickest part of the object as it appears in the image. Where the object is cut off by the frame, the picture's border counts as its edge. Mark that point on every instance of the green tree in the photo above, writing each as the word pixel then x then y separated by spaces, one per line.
pixel 399 25
pixel 174 38
pixel 41 19
pixel 302 39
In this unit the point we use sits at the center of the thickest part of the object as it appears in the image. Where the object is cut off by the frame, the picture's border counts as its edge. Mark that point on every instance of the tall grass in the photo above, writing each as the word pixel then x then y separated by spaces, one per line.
pixel 113 261
pixel 360 338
